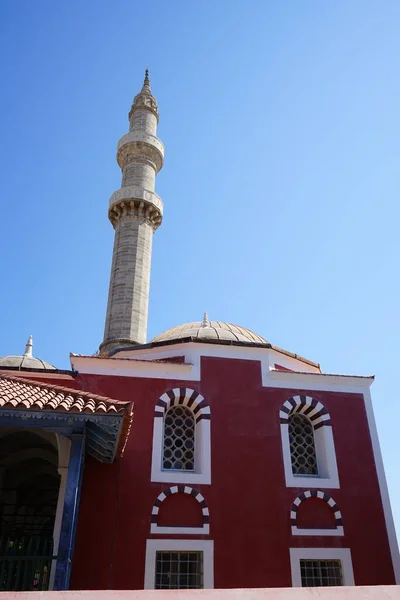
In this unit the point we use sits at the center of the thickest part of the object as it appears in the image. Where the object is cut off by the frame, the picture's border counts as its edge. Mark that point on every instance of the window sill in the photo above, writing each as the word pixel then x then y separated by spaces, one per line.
pixel 204 530
pixel 311 481
pixel 325 532
pixel 180 477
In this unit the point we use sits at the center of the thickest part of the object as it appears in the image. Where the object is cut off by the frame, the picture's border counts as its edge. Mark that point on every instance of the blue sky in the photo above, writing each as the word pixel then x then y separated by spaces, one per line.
pixel 281 126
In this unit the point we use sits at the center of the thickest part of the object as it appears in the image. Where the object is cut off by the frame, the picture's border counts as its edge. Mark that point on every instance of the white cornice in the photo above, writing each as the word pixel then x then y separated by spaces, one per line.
pixel 320 380
pixel 143 363
pixel 126 367
pixel 222 349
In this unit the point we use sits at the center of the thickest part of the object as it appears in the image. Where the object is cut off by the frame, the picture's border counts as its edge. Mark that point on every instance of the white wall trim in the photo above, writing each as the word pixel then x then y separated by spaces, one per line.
pixel 140 366
pixel 391 532
pixel 192 350
pixel 204 530
pixel 342 554
pixel 322 379
pixel 325 532
pixel 205 546
pixel 132 368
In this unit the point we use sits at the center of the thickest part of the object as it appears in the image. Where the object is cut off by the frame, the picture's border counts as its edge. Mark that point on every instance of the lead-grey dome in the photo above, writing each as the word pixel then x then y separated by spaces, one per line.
pixel 210 330
pixel 26 360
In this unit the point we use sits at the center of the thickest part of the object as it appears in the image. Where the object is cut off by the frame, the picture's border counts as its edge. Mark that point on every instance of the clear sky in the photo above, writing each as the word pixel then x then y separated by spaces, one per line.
pixel 281 181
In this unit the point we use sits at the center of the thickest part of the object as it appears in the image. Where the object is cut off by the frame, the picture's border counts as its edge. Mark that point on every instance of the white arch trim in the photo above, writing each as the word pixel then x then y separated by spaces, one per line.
pixel 337 531
pixel 180 489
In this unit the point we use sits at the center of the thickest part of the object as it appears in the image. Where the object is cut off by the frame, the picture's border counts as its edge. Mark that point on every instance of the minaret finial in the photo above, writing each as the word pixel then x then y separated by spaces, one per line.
pixel 28 347
pixel 205 322
pixel 146 82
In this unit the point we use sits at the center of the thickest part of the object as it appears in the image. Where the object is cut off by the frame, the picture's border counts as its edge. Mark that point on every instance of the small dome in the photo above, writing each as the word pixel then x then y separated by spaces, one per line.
pixel 26 360
pixel 210 330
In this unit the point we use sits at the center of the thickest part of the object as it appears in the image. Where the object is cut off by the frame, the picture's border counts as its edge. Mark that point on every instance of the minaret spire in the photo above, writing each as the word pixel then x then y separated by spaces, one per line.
pixel 146 82
pixel 135 212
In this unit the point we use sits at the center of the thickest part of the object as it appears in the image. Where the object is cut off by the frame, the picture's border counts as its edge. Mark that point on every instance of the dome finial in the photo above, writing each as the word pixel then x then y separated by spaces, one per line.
pixel 28 347
pixel 205 322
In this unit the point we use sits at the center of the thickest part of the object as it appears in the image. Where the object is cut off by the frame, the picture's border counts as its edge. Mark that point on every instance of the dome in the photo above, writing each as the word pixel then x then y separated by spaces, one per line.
pixel 211 330
pixel 26 360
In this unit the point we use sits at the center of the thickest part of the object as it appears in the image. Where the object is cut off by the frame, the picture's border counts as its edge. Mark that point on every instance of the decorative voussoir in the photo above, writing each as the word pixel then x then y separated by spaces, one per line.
pixel 186 397
pixel 180 489
pixel 315 494
pixel 307 406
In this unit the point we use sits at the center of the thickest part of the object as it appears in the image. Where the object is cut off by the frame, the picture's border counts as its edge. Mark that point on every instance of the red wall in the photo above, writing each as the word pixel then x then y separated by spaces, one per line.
pixel 248 501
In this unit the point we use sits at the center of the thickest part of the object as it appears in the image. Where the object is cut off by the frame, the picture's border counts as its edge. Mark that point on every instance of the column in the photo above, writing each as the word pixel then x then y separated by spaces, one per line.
pixel 70 512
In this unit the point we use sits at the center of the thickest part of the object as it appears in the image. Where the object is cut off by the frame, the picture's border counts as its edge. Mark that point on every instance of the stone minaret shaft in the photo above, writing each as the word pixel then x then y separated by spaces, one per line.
pixel 135 212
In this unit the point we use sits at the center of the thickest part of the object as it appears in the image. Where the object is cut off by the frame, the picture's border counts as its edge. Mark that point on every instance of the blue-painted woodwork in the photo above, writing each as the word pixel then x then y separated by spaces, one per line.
pixel 70 513
pixel 99 434
pixel 102 430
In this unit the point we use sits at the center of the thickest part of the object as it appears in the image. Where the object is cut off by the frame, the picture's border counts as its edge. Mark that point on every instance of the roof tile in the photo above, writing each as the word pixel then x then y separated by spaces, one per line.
pixel 17 392
pixel 25 394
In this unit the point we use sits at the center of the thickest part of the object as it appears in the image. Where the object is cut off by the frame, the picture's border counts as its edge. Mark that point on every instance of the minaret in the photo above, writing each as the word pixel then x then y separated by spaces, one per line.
pixel 135 212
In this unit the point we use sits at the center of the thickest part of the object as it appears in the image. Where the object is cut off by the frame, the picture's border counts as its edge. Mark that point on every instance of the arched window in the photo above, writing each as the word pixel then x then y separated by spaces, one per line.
pixel 308 449
pixel 302 445
pixel 179 439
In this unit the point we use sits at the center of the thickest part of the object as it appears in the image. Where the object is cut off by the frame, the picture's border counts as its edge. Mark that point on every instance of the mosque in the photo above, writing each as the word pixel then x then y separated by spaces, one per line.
pixel 207 457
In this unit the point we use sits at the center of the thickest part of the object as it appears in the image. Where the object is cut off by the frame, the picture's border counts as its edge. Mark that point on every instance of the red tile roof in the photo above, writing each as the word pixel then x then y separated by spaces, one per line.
pixel 26 394
pixel 17 392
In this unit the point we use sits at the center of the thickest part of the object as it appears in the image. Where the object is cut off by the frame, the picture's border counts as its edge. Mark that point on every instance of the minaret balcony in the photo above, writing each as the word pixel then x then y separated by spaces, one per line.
pixel 137 193
pixel 136 142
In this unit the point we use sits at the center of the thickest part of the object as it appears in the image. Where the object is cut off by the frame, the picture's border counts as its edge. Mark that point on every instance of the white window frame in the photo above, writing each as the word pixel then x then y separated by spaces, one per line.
pixel 204 546
pixel 202 457
pixel 342 554
pixel 328 476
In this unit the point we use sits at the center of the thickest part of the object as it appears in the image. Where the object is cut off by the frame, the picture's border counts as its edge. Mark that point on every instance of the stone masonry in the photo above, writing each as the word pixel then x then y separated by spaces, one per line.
pixel 135 212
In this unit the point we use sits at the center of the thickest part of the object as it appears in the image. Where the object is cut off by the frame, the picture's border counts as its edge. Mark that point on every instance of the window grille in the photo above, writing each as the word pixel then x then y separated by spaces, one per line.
pixel 321 573
pixel 179 439
pixel 179 570
pixel 302 445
